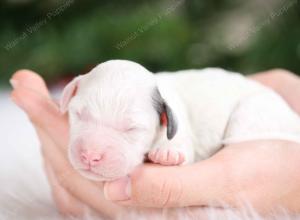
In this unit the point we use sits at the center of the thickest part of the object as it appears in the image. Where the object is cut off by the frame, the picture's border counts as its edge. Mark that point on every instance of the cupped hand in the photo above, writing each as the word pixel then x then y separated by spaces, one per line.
pixel 263 173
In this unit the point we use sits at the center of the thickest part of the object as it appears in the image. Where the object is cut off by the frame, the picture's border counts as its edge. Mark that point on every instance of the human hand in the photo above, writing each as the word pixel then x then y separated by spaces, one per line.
pixel 262 173
pixel 71 192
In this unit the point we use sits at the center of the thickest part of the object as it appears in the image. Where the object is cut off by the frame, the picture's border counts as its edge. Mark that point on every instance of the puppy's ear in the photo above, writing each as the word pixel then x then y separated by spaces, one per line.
pixel 165 113
pixel 68 93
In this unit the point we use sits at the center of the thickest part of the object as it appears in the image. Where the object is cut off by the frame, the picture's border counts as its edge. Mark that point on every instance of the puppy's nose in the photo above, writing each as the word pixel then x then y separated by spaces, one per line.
pixel 90 158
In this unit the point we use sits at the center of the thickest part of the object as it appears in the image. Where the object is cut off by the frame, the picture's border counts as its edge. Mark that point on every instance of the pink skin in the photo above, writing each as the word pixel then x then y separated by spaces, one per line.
pixel 99 156
pixel 167 157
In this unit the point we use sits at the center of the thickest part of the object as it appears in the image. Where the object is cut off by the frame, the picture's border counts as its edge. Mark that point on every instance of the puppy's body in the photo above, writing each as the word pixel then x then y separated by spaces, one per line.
pixel 219 107
pixel 120 112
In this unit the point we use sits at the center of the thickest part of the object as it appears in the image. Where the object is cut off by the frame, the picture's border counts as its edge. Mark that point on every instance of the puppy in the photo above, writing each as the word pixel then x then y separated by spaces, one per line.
pixel 120 113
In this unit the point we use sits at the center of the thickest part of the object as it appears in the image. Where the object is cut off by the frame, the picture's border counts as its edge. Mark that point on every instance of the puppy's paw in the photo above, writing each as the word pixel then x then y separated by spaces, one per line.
pixel 166 156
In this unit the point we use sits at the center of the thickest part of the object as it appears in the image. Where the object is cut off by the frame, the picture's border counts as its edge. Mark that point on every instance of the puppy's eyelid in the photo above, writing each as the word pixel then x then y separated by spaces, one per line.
pixel 131 129
pixel 135 128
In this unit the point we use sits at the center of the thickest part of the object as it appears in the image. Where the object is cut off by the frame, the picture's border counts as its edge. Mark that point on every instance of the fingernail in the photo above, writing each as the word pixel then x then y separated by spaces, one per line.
pixel 13 83
pixel 118 190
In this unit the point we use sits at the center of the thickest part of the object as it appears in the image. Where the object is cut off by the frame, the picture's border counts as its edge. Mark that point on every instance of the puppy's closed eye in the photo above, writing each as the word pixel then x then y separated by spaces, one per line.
pixel 131 129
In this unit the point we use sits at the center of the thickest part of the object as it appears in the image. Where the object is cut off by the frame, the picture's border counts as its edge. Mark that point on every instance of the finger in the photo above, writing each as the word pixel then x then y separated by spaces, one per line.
pixel 87 192
pixel 273 78
pixel 159 186
pixel 43 113
pixel 31 80
pixel 284 83
pixel 67 204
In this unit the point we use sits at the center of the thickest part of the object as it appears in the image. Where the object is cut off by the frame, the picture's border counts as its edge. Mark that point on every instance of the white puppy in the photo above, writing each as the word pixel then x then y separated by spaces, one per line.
pixel 120 112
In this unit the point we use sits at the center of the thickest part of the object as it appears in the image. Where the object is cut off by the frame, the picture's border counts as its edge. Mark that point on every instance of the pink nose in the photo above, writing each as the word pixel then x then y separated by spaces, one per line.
pixel 90 158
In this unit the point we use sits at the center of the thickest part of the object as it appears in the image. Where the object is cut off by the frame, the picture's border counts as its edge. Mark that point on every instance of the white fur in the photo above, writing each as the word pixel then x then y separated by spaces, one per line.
pixel 212 107
pixel 218 106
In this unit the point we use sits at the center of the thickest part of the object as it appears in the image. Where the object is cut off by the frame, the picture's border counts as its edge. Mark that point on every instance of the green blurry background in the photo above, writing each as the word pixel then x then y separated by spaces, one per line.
pixel 60 38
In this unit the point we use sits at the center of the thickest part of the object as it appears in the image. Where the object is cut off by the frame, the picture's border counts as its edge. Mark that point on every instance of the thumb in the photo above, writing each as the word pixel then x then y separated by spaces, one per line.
pixel 151 185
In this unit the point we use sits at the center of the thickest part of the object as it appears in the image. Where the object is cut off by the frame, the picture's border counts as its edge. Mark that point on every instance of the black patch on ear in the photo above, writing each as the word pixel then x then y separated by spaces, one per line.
pixel 172 122
pixel 161 106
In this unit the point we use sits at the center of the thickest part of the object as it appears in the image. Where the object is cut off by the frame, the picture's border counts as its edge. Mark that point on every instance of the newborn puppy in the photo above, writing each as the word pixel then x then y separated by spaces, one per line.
pixel 120 113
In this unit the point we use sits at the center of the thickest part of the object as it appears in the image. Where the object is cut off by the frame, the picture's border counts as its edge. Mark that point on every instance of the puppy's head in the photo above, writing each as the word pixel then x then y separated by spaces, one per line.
pixel 115 114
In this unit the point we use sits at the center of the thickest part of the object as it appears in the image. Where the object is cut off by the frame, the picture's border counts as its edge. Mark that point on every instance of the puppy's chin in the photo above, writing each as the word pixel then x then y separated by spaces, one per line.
pixel 98 177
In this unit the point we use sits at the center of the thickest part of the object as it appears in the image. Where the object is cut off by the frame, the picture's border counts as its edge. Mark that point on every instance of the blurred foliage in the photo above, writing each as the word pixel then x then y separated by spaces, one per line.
pixel 61 38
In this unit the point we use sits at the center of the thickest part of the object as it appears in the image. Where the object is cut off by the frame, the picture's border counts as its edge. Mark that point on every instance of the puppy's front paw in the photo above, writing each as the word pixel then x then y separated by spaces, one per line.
pixel 166 156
